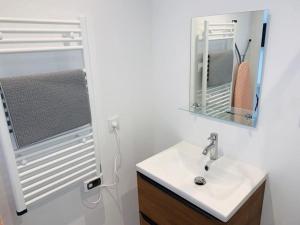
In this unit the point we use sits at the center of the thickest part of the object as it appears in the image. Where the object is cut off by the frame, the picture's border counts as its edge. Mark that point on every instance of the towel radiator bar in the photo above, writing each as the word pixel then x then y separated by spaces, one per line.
pixel 37 21
pixel 41 49
pixel 44 168
pixel 39 40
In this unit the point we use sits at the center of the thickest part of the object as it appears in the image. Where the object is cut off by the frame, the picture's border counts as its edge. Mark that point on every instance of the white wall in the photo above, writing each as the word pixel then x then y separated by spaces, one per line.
pixel 120 34
pixel 274 144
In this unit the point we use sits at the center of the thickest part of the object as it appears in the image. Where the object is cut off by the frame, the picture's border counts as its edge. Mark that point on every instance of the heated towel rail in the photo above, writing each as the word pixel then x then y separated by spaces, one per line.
pixel 44 168
pixel 215 100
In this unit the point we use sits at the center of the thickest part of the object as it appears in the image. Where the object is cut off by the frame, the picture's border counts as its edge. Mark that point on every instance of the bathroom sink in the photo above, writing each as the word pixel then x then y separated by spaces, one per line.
pixel 229 183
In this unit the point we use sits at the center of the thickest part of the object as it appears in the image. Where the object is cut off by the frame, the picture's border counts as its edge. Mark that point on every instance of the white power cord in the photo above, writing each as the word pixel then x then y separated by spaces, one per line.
pixel 117 166
pixel 117 161
pixel 94 203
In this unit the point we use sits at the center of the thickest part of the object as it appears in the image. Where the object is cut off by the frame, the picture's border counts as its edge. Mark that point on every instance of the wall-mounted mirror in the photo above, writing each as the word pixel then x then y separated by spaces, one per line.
pixel 227 54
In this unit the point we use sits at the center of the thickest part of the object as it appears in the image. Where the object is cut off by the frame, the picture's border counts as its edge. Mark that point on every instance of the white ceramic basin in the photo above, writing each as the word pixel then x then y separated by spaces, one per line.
pixel 229 183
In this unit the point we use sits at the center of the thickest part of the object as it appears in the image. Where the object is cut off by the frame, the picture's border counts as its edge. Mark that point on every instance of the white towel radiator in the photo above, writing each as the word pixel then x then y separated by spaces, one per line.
pixel 42 169
pixel 216 100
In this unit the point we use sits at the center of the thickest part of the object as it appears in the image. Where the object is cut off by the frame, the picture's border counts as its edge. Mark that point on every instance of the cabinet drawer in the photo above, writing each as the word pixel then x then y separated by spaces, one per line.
pixel 165 209
pixel 160 206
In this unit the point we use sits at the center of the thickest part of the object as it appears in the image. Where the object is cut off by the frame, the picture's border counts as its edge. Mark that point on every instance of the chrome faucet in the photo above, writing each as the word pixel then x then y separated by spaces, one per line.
pixel 212 148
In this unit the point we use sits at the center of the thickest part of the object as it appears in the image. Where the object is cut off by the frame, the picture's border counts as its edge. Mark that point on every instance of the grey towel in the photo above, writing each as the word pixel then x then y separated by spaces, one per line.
pixel 42 106
pixel 220 68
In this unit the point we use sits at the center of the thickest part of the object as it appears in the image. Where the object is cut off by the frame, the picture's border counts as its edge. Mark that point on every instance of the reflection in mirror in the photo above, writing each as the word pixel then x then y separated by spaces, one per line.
pixel 226 65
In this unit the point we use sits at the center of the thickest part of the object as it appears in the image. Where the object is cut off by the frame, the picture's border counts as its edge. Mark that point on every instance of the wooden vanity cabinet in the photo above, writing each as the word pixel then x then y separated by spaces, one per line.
pixel 160 206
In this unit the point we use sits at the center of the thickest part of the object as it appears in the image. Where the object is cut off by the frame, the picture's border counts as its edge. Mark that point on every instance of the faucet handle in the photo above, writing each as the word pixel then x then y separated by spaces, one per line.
pixel 213 137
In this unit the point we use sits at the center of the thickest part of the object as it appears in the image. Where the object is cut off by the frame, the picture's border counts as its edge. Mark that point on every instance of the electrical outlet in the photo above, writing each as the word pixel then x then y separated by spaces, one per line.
pixel 113 122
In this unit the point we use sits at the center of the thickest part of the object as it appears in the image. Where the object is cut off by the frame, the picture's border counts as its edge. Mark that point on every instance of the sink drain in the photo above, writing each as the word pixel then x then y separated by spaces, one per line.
pixel 200 180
